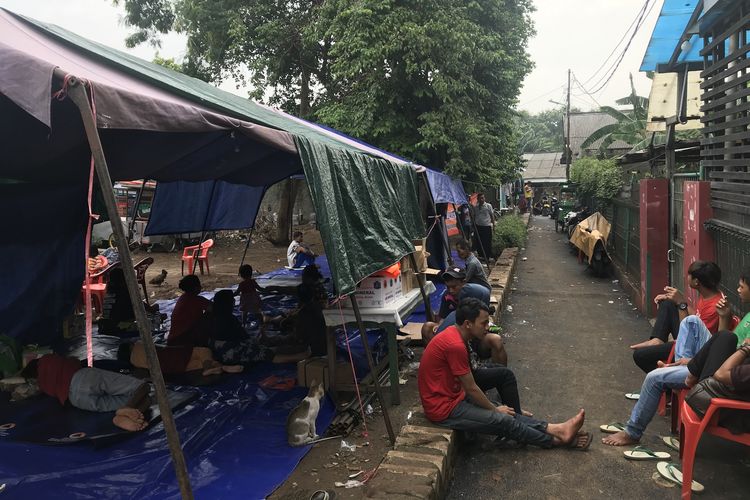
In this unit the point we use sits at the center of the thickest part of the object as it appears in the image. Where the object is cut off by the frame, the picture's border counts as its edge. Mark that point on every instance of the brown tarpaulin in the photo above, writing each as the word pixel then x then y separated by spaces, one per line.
pixel 588 232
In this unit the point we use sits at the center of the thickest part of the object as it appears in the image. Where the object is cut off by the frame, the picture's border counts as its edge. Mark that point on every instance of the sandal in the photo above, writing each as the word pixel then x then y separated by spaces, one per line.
pixel 612 428
pixel 633 396
pixel 671 472
pixel 643 453
pixel 581 441
pixel 323 495
pixel 671 442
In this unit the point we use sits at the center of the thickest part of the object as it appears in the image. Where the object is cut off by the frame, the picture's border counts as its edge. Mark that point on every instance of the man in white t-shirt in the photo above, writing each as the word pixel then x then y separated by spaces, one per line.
pixel 298 255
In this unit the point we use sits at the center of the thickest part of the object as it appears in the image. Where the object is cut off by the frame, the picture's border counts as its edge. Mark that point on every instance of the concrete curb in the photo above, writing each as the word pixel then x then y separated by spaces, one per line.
pixel 421 463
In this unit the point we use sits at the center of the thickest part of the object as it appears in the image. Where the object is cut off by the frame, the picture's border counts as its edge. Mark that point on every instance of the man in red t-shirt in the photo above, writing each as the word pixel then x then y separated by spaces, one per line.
pixel 703 277
pixel 92 389
pixel 451 397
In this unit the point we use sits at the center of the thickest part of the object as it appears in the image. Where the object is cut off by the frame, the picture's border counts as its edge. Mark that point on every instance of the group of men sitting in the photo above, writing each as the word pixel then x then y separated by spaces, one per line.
pixel 711 359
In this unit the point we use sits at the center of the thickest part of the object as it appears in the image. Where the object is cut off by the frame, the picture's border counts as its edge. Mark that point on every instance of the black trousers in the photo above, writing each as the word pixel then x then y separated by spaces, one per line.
pixel 483 241
pixel 712 355
pixel 667 323
pixel 502 379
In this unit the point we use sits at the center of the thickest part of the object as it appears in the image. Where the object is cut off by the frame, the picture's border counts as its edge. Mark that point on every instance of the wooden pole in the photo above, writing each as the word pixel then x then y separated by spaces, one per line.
pixel 371 363
pixel 138 197
pixel 78 95
pixel 247 245
pixel 420 280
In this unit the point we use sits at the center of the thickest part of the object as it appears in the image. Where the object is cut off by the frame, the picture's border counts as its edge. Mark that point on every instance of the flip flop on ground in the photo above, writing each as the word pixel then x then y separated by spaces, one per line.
pixel 633 396
pixel 643 453
pixel 581 442
pixel 671 472
pixel 671 442
pixel 612 428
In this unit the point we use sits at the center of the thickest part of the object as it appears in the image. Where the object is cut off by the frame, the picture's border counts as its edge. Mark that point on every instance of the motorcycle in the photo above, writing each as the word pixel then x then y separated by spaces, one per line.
pixel 554 207
pixel 545 207
pixel 573 218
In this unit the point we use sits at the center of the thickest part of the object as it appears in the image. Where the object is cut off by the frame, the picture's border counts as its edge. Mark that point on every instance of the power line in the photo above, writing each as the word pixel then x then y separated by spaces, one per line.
pixel 616 66
pixel 622 39
pixel 542 95
pixel 580 86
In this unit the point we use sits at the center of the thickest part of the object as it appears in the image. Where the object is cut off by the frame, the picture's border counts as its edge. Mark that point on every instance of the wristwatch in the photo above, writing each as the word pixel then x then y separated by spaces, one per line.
pixel 682 306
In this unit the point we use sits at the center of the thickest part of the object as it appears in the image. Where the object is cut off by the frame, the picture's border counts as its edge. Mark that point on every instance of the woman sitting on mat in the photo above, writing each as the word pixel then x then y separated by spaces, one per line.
pixel 231 344
pixel 189 326
pixel 118 316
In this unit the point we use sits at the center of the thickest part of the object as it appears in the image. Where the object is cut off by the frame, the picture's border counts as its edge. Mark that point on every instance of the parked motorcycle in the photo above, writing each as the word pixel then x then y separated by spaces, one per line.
pixel 554 207
pixel 546 207
pixel 572 219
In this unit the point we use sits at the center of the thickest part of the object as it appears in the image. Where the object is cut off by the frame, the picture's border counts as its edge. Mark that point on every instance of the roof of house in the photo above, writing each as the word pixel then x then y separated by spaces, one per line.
pixel 544 167
pixel 583 124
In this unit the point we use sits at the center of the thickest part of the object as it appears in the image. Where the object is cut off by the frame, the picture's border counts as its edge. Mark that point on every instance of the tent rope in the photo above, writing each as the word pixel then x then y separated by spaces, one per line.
pixel 91 218
pixel 363 336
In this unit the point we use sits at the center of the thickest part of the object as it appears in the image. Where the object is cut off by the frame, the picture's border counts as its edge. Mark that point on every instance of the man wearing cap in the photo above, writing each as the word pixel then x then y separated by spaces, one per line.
pixel 491 345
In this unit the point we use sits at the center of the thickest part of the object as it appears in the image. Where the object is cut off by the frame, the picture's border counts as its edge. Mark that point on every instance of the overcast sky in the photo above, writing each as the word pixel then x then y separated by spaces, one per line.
pixel 576 34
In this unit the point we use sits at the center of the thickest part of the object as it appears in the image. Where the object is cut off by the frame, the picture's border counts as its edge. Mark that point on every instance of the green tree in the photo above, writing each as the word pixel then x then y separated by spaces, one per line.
pixel 432 80
pixel 542 132
pixel 597 178
pixel 630 126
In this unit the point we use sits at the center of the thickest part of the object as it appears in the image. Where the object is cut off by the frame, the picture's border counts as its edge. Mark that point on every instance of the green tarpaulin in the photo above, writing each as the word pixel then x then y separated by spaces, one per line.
pixel 163 125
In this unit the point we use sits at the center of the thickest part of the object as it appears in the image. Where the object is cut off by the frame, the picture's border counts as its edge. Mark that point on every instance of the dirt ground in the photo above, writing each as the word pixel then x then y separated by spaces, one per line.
pixel 224 260
pixel 328 463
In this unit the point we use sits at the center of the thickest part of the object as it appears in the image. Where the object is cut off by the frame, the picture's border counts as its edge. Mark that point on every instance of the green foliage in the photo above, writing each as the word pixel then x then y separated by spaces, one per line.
pixel 432 80
pixel 168 63
pixel 510 231
pixel 630 126
pixel 542 132
pixel 600 179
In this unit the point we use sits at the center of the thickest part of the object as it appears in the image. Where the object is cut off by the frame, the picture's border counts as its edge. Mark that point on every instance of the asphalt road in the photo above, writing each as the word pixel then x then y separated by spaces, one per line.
pixel 567 338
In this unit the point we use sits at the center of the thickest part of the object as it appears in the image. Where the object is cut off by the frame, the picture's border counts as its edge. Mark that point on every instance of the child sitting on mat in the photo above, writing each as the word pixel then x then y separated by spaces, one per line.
pixel 92 389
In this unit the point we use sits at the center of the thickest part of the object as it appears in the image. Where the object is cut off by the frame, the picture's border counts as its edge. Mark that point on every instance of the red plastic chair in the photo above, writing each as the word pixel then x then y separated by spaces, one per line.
pixel 200 252
pixel 97 287
pixel 693 427
pixel 140 274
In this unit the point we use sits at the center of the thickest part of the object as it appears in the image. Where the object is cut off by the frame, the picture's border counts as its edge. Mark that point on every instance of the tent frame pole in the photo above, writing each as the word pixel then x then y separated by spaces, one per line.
pixel 247 245
pixel 79 96
pixel 443 234
pixel 203 230
pixel 421 281
pixel 371 363
pixel 131 226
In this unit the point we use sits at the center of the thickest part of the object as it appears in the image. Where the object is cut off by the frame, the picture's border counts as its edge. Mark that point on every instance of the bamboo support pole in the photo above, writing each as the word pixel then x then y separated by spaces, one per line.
pixel 78 95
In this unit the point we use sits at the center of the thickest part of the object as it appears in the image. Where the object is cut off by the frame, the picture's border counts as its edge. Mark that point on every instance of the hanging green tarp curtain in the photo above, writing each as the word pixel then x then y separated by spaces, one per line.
pixel 367 209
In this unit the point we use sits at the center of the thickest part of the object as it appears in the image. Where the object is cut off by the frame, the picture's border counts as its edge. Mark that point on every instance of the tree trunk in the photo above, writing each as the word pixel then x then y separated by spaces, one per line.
pixel 284 215
pixel 304 95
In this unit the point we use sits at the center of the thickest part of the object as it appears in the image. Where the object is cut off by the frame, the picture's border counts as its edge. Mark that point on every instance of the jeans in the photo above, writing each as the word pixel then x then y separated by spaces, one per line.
pixel 101 390
pixel 656 382
pixel 470 417
pixel 502 379
pixel 303 260
pixel 692 336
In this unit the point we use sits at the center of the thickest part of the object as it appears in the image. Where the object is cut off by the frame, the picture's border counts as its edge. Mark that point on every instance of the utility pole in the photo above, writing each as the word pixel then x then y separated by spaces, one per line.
pixel 568 150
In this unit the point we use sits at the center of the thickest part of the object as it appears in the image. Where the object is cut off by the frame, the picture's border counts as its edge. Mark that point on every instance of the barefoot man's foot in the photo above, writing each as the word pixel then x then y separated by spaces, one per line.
pixel 647 343
pixel 131 413
pixel 621 438
pixel 566 432
pixel 124 422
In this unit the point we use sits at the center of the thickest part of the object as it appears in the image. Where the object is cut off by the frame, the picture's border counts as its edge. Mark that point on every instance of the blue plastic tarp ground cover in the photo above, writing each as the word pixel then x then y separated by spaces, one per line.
pixel 673 20
pixel 184 207
pixel 233 437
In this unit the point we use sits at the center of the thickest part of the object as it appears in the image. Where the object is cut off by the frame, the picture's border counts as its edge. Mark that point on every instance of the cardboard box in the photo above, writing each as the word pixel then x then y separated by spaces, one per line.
pixel 380 291
pixel 420 255
pixel 312 369
pixel 316 369
pixel 410 280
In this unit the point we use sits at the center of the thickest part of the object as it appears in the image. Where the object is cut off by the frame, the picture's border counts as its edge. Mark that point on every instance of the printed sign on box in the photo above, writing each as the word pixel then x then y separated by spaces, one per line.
pixel 377 291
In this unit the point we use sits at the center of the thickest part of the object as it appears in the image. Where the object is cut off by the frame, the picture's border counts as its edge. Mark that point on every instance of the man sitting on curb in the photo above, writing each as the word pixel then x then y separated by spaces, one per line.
pixel 451 397
pixel 491 345
pixel 691 342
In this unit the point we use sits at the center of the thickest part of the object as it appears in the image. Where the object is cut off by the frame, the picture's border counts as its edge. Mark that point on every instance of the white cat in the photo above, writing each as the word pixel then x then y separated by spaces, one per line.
pixel 300 424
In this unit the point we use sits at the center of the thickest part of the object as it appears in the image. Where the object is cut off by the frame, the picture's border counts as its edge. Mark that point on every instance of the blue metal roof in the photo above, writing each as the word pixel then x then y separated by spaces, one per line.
pixel 673 21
